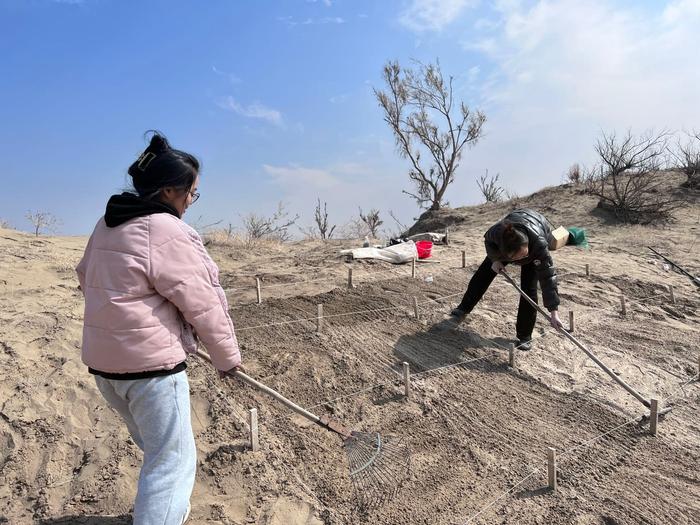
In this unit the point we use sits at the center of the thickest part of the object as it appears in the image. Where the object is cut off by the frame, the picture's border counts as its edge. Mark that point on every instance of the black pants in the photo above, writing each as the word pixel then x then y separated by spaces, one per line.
pixel 482 279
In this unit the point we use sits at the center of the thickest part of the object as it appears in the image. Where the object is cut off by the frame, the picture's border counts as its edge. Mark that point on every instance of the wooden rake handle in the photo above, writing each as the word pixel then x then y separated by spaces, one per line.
pixel 590 354
pixel 266 389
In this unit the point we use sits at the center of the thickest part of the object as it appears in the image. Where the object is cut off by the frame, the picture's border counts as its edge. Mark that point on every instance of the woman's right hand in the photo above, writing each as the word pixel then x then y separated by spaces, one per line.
pixel 498 266
pixel 229 373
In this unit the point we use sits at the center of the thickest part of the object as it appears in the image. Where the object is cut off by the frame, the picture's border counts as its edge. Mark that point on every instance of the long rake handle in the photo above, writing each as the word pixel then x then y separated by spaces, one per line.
pixel 695 280
pixel 269 391
pixel 590 354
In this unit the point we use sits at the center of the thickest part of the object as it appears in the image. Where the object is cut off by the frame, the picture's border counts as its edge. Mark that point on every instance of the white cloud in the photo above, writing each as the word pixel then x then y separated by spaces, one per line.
pixel 255 110
pixel 556 74
pixel 433 15
pixel 291 22
pixel 300 177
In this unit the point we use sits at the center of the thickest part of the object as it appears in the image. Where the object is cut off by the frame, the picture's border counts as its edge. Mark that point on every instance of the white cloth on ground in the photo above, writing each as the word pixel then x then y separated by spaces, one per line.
pixel 397 254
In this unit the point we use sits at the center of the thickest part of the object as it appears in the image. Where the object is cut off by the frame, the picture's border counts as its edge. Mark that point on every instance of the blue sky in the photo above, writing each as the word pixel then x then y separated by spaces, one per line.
pixel 275 97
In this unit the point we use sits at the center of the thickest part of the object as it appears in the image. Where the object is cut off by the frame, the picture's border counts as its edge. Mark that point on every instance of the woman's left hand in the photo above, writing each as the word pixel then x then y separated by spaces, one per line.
pixel 554 320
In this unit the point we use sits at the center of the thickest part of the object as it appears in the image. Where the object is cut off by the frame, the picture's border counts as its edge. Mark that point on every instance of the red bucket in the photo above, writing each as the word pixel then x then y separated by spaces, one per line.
pixel 424 248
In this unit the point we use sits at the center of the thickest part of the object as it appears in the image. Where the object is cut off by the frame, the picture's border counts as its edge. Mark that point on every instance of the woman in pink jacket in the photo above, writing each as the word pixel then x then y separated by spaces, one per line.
pixel 151 290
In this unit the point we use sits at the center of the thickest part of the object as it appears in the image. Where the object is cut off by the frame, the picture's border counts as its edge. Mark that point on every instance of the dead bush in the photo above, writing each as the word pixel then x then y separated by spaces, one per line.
pixel 275 227
pixel 489 187
pixel 686 158
pixel 42 221
pixel 372 221
pixel 629 180
pixel 573 176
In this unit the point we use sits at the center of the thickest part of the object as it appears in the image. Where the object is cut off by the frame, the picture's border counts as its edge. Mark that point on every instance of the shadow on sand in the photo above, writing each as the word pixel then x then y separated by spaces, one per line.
pixel 445 344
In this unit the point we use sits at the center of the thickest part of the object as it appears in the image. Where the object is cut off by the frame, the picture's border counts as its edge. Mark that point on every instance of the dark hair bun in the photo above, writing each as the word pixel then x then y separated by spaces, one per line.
pixel 159 144
pixel 160 166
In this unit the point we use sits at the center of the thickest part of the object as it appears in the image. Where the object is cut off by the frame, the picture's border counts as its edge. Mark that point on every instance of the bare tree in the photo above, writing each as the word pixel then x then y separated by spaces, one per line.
pixel 372 221
pixel 416 105
pixel 321 219
pixel 274 227
pixel 489 187
pixel 574 174
pixel 686 158
pixel 42 221
pixel 628 177
pixel 4 223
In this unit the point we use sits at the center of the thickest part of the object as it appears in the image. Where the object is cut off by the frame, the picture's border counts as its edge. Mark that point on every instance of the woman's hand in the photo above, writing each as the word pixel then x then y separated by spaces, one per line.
pixel 554 320
pixel 498 266
pixel 228 373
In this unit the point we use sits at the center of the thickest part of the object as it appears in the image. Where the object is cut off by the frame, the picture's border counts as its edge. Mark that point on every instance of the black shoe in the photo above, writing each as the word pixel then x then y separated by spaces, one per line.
pixel 458 315
pixel 523 344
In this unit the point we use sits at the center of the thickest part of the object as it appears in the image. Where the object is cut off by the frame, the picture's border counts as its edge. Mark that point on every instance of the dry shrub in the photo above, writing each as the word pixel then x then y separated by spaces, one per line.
pixel 573 176
pixel 489 187
pixel 629 178
pixel 686 158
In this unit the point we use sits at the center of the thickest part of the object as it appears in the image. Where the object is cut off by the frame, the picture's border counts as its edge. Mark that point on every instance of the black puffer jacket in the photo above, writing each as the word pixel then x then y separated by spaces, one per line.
pixel 539 232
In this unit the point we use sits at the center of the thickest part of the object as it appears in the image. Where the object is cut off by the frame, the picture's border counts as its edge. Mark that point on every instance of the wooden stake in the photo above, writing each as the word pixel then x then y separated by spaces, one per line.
pixel 319 318
pixel 672 294
pixel 447 236
pixel 588 271
pixel 415 307
pixel 552 468
pixel 413 267
pixel 623 304
pixel 654 416
pixel 350 285
pixel 407 379
pixel 464 258
pixel 253 423
pixel 571 321
pixel 511 356
pixel 257 286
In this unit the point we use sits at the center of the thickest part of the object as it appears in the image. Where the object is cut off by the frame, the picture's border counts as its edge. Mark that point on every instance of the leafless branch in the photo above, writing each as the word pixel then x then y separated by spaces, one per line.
pixel 415 101
pixel 273 227
pixel 628 177
pixel 489 187
pixel 42 221
pixel 372 221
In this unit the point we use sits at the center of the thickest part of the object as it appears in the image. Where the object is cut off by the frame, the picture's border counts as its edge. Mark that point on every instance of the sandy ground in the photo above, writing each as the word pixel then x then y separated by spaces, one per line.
pixel 477 429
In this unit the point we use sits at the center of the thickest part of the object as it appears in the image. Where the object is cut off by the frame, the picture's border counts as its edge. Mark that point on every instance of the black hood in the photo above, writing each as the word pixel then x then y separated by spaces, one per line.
pixel 127 206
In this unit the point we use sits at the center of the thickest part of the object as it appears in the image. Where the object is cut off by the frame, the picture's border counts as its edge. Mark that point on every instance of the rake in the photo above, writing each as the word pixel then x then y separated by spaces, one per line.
pixel 378 465
pixel 639 397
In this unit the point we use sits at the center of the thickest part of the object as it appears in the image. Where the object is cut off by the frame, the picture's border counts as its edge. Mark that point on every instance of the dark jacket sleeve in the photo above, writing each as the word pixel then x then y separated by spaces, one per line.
pixel 547 275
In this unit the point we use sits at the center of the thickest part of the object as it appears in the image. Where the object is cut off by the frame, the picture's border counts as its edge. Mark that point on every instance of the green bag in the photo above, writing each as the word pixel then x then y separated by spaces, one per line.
pixel 577 237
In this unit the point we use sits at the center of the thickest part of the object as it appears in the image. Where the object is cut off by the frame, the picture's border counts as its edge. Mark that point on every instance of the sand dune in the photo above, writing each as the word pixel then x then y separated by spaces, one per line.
pixel 475 427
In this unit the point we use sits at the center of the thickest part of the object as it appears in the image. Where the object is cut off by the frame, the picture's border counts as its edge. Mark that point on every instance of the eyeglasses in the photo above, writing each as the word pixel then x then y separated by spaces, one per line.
pixel 194 196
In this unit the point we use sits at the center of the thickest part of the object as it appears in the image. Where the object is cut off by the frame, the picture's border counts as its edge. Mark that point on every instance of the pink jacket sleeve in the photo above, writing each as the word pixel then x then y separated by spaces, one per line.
pixel 179 273
pixel 82 266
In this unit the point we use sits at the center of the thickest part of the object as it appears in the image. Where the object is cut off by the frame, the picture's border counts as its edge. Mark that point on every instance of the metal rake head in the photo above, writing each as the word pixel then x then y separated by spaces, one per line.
pixel 378 466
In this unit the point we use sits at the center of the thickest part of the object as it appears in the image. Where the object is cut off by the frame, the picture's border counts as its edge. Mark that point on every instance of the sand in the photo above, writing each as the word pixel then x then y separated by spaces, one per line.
pixel 477 429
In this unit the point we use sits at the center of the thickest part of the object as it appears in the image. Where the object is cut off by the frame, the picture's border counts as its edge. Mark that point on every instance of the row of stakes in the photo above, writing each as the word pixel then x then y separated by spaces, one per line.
pixel 254 441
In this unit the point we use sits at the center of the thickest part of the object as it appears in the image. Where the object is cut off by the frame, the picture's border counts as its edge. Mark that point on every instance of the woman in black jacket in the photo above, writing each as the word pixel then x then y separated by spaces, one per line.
pixel 521 238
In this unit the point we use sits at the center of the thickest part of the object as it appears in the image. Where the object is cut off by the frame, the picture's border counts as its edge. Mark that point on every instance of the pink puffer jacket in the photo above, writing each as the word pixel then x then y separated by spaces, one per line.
pixel 147 284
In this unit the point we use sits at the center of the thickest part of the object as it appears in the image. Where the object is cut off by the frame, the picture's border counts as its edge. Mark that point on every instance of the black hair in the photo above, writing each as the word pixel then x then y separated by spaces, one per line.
pixel 511 239
pixel 161 166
